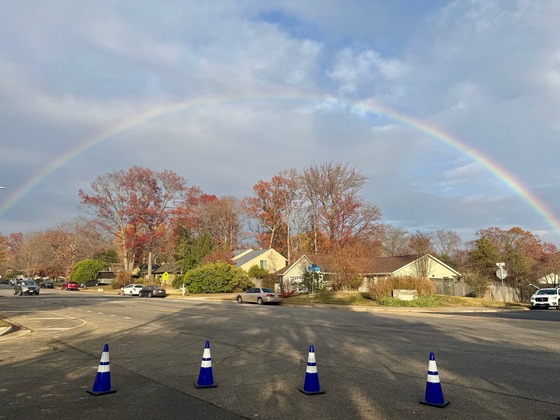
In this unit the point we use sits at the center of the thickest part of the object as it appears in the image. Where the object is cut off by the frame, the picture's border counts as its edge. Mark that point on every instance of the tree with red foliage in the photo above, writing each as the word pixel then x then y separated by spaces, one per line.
pixel 272 207
pixel 135 206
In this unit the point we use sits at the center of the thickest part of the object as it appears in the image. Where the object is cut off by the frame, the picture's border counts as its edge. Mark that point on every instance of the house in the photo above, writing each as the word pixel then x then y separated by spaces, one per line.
pixel 291 276
pixel 426 266
pixel 168 272
pixel 269 259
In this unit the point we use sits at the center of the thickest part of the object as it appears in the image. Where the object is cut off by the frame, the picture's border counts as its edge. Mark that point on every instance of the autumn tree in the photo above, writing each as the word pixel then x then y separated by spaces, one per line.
pixel 522 252
pixel 134 206
pixel 273 207
pixel 420 243
pixel 333 191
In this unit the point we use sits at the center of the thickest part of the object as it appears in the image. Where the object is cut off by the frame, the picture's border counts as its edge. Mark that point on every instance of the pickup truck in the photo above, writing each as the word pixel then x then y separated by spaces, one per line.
pixel 546 298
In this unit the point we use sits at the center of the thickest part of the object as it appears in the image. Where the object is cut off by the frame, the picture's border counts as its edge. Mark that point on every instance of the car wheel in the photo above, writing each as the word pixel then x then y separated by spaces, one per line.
pixel 260 301
pixel 150 294
pixel 239 299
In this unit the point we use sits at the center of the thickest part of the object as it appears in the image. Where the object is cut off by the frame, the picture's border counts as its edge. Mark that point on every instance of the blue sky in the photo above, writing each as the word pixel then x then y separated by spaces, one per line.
pixel 274 85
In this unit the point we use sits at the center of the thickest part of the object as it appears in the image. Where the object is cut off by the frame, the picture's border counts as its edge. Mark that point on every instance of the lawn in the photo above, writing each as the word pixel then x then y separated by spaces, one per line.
pixel 359 298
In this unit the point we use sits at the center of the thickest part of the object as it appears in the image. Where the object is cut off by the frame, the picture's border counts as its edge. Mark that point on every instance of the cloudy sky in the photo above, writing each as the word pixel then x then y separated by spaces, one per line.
pixel 450 108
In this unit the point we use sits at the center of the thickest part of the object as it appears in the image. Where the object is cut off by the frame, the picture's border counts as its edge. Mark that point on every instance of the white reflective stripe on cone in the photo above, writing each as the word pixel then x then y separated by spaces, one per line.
pixel 103 369
pixel 432 367
pixel 433 379
pixel 104 357
pixel 206 363
pixel 311 369
pixel 311 358
pixel 206 354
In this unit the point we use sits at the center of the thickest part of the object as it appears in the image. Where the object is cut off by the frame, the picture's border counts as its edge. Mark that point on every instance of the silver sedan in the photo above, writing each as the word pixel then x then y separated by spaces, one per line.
pixel 259 295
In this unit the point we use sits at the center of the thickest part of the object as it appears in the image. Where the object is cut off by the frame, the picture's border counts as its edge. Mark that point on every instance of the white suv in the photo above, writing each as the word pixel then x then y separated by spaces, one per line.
pixel 546 298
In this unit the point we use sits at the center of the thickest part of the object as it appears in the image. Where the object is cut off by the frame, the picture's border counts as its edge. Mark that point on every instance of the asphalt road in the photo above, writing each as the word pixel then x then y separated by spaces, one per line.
pixel 371 365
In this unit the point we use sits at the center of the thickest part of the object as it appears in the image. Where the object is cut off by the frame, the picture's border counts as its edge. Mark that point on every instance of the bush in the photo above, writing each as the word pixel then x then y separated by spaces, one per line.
pixel 215 278
pixel 384 287
pixel 478 283
pixel 257 272
pixel 87 270
pixel 122 278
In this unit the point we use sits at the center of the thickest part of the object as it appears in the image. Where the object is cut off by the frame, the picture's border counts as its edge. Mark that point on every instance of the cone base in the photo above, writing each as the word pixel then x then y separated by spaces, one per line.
pixel 445 403
pixel 311 393
pixel 205 386
pixel 101 393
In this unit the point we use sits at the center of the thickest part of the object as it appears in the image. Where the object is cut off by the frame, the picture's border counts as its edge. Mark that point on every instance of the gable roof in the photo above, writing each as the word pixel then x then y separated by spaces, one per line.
pixel 247 256
pixel 388 265
pixel 299 261
pixel 173 268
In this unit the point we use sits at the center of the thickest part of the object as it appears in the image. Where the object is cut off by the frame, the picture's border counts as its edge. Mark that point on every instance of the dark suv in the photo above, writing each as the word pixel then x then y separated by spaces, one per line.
pixel 26 287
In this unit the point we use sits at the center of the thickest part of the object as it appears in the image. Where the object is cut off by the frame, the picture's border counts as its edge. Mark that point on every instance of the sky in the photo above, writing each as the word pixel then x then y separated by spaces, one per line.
pixel 449 108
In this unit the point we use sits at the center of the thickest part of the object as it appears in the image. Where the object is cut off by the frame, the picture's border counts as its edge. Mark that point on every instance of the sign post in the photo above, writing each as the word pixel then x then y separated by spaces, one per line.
pixel 501 273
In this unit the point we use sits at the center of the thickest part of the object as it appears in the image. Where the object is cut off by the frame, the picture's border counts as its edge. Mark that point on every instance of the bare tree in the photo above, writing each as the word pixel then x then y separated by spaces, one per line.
pixel 447 242
pixel 395 241
pixel 336 206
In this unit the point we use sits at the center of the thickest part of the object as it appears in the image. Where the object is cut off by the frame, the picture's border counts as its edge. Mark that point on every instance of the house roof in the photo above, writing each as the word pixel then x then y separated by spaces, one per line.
pixel 245 258
pixel 173 268
pixel 283 270
pixel 388 265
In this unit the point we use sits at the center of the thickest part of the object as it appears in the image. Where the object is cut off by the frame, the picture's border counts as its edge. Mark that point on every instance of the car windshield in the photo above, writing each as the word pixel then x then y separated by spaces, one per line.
pixel 28 283
pixel 546 292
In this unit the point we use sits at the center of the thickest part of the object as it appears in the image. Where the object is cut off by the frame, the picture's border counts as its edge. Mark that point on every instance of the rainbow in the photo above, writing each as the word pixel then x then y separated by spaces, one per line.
pixel 362 107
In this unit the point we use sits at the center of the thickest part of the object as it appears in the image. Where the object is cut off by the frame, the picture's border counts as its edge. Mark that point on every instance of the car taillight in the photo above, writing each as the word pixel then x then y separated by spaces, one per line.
pixel 270 295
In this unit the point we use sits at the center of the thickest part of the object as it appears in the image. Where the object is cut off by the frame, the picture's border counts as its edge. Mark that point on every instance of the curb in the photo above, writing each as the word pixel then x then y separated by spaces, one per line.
pixel 5 330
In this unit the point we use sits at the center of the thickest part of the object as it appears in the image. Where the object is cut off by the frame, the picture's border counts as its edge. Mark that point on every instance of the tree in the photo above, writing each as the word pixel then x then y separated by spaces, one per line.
pixel 87 270
pixel 336 206
pixel 420 243
pixel 395 242
pixel 134 206
pixel 273 207
pixel 446 243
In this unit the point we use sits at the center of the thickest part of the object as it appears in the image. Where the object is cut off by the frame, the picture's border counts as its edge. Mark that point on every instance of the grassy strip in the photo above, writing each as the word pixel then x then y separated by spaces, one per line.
pixel 360 298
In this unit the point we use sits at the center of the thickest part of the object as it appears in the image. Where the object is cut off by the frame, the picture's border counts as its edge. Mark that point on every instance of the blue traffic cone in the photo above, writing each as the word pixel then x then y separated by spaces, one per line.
pixel 102 383
pixel 205 377
pixel 434 394
pixel 311 384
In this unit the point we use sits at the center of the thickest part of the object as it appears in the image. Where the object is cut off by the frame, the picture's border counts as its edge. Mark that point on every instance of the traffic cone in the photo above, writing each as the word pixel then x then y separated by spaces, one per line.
pixel 311 384
pixel 434 394
pixel 102 383
pixel 205 377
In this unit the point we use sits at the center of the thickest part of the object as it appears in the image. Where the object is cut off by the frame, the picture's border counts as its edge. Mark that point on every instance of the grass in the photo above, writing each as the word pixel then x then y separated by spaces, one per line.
pixel 360 298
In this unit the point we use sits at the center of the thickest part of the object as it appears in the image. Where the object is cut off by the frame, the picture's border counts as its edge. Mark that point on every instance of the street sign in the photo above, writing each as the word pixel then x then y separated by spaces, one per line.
pixel 501 273
pixel 313 268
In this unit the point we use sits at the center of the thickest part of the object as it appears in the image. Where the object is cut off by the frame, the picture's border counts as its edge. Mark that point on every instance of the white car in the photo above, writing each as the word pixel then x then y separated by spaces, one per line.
pixel 132 289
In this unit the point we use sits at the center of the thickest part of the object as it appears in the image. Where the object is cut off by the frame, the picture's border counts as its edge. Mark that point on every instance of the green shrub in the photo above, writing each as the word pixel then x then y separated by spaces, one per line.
pixel 87 270
pixel 384 287
pixel 478 283
pixel 215 278
pixel 257 272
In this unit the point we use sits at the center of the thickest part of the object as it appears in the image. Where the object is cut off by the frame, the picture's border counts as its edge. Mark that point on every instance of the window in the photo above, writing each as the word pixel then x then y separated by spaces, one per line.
pixel 263 264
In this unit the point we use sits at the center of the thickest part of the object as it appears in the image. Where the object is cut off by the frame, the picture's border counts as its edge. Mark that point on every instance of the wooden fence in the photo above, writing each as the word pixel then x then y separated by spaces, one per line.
pixel 496 291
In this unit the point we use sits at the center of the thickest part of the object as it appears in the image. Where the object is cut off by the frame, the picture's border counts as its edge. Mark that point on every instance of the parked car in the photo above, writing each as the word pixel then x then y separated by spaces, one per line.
pixel 132 289
pixel 90 283
pixel 47 285
pixel 259 295
pixel 151 291
pixel 70 285
pixel 546 298
pixel 26 287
